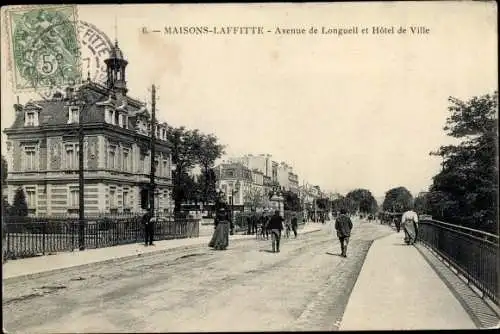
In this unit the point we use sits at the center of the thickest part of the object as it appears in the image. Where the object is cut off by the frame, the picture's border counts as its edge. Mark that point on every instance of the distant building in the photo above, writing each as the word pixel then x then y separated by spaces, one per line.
pixel 293 182
pixel 234 180
pixel 274 174
pixel 287 179
pixel 261 162
pixel 42 149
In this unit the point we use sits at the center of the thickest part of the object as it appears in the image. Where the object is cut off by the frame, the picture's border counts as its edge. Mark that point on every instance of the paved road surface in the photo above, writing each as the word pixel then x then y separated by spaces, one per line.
pixel 246 287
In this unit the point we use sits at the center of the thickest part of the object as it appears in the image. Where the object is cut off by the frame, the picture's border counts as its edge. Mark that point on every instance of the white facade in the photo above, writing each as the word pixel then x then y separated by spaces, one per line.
pixel 261 162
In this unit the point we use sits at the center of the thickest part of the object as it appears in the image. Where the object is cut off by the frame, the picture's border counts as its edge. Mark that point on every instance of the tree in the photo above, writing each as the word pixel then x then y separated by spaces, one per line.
pixel 346 203
pixel 291 201
pixel 187 189
pixel 254 198
pixel 19 206
pixel 323 203
pixel 421 203
pixel 209 151
pixel 398 199
pixel 207 185
pixel 465 192
pixel 338 203
pixel 185 149
pixel 363 200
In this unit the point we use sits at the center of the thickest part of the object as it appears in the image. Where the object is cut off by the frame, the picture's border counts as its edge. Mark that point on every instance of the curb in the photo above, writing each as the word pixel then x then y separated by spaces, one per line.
pixel 323 297
pixel 16 279
pixel 19 278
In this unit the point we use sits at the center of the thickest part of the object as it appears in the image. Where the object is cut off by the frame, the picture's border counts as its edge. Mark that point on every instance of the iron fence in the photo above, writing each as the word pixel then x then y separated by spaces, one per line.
pixel 472 252
pixel 33 236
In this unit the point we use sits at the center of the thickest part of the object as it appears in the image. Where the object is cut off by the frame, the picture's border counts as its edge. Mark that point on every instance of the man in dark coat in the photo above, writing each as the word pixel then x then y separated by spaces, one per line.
pixel 295 224
pixel 148 222
pixel 276 226
pixel 254 222
pixel 343 225
pixel 249 223
pixel 264 220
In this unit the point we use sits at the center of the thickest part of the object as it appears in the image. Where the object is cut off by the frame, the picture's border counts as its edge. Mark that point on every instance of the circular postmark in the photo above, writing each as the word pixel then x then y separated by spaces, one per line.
pixel 94 47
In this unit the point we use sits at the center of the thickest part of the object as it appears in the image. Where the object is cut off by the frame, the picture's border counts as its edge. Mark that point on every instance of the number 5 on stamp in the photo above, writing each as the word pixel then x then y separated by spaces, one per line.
pixel 44 47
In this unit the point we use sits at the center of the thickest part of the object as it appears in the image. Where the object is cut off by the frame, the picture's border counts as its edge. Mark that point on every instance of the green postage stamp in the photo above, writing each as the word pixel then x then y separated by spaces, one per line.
pixel 44 46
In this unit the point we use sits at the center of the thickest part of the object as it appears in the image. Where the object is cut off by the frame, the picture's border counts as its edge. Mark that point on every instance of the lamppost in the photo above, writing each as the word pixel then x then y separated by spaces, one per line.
pixel 277 196
pixel 234 190
pixel 157 201
pixel 152 144
pixel 78 99
pixel 315 202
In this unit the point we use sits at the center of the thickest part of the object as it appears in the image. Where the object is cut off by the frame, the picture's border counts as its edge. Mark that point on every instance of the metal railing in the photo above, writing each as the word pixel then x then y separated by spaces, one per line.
pixel 33 236
pixel 471 252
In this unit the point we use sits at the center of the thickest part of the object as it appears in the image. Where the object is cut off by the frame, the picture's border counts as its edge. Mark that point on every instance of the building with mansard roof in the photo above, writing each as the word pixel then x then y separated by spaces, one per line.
pixel 42 149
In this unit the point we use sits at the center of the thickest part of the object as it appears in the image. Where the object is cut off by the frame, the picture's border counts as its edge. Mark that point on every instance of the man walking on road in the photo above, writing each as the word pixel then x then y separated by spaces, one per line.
pixel 343 225
pixel 276 226
pixel 252 222
pixel 294 224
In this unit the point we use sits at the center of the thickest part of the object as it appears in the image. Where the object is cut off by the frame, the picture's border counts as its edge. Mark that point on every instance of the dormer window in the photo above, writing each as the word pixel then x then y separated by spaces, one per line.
pixel 30 118
pixel 73 115
pixel 31 114
pixel 109 115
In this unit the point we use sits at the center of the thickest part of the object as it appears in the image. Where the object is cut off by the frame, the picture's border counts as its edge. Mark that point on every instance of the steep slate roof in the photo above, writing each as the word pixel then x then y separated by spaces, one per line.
pixel 55 111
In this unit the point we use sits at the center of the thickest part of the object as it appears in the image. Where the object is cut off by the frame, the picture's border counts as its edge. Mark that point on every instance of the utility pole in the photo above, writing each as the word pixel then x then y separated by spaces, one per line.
pixel 81 183
pixel 153 152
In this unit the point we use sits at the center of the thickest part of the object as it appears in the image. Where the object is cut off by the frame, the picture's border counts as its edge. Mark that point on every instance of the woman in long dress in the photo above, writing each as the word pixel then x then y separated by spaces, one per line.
pixel 410 226
pixel 220 238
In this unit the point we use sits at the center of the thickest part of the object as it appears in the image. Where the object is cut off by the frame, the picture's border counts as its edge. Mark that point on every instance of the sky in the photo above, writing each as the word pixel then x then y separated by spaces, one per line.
pixel 351 111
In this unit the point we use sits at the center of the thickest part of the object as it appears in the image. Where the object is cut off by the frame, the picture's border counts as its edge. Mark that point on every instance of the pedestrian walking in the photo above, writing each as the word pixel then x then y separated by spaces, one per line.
pixel 397 223
pixel 220 238
pixel 151 226
pixel 264 231
pixel 410 226
pixel 249 224
pixel 295 224
pixel 254 222
pixel 343 226
pixel 276 226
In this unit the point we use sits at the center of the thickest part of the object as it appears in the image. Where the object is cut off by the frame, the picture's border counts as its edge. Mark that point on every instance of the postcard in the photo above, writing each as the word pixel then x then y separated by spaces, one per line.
pixel 249 167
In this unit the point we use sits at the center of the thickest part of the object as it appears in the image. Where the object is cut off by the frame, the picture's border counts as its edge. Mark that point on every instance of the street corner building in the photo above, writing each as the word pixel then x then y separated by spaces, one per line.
pixel 43 149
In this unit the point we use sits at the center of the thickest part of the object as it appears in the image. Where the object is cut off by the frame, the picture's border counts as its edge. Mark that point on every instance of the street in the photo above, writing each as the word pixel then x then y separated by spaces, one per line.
pixel 245 288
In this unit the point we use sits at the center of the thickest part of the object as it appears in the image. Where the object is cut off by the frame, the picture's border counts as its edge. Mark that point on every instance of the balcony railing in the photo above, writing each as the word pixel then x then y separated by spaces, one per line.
pixel 471 252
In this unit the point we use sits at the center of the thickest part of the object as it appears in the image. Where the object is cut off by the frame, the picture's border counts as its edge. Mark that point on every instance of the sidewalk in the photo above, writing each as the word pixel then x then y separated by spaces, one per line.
pixel 23 268
pixel 398 290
